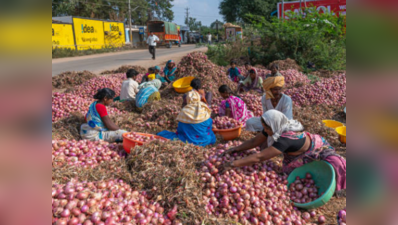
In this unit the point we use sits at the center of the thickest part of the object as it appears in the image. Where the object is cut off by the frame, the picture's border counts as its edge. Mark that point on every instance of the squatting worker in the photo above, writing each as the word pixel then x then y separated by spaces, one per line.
pixel 274 71
pixel 194 123
pixel 169 72
pixel 272 99
pixel 149 92
pixel 206 97
pixel 152 40
pixel 98 125
pixel 283 136
pixel 130 86
pixel 253 82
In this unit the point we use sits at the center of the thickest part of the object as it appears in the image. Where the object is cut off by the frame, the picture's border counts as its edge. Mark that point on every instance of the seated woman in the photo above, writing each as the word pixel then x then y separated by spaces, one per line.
pixel 99 126
pixel 272 99
pixel 194 123
pixel 252 82
pixel 234 73
pixel 157 72
pixel 206 98
pixel 169 72
pixel 148 92
pixel 233 106
pixel 283 136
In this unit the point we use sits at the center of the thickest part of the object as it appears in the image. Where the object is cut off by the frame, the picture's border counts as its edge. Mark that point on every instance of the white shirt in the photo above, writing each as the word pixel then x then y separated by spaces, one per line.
pixel 284 106
pixel 129 89
pixel 209 37
pixel 152 40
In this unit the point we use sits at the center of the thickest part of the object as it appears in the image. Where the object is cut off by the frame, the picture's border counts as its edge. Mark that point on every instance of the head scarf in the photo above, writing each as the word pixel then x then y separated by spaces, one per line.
pixel 157 83
pixel 195 111
pixel 170 61
pixel 157 68
pixel 273 82
pixel 255 82
pixel 169 72
pixel 280 124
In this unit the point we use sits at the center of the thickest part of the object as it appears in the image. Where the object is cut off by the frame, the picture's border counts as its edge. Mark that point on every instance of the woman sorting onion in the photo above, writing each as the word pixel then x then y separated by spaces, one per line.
pixel 194 122
pixel 252 83
pixel 283 136
pixel 98 125
pixel 272 99
pixel 169 72
pixel 148 92
pixel 233 106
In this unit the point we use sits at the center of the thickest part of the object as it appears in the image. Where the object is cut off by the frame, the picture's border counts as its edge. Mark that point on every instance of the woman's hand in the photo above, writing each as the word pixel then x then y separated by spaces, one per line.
pixel 226 166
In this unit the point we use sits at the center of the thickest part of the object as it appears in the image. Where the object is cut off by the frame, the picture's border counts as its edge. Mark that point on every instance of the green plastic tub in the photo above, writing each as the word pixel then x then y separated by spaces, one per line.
pixel 325 179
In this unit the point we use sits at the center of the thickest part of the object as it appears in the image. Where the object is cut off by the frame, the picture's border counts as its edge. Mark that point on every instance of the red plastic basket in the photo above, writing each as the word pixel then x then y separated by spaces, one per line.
pixel 128 143
pixel 229 134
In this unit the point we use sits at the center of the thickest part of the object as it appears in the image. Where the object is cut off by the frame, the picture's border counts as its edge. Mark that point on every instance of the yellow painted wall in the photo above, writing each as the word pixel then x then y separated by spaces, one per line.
pixel 89 34
pixel 62 36
pixel 114 34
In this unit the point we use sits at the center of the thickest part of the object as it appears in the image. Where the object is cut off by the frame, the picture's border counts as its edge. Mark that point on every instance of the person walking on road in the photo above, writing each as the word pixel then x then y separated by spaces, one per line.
pixel 209 38
pixel 152 40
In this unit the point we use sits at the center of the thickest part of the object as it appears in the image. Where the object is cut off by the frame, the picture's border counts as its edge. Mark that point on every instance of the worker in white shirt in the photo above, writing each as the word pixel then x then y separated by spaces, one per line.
pixel 129 86
pixel 209 38
pixel 152 40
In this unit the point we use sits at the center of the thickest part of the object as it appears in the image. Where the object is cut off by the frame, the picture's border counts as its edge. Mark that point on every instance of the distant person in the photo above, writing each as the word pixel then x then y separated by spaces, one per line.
pixel 169 72
pixel 234 73
pixel 129 87
pixel 201 38
pixel 252 83
pixel 209 38
pixel 152 40
pixel 98 124
pixel 274 71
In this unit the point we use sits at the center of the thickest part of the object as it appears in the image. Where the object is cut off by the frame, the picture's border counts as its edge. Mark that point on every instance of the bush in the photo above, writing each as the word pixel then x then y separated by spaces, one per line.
pixel 222 54
pixel 317 38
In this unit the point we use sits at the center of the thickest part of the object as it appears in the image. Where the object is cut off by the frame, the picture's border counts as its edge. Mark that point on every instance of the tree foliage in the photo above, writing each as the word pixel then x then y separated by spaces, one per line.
pixel 115 9
pixel 193 24
pixel 235 10
pixel 316 37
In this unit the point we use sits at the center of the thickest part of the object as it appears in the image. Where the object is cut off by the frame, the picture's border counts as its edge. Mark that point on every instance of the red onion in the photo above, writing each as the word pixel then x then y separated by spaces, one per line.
pixel 321 219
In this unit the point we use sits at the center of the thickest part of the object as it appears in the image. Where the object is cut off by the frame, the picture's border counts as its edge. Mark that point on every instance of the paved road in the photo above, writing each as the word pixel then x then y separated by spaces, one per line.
pixel 108 61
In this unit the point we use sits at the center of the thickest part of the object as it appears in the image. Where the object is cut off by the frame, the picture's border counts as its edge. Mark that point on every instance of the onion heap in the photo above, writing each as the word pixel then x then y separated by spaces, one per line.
pixel 83 153
pixel 328 91
pixel 342 217
pixel 224 123
pixel 253 103
pixel 251 195
pixel 141 138
pixel 105 202
pixel 90 88
pixel 65 104
pixel 303 190
pixel 294 78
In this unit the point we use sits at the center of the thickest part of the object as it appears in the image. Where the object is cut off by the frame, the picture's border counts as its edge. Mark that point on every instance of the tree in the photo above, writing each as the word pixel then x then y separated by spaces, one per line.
pixel 193 24
pixel 236 10
pixel 115 9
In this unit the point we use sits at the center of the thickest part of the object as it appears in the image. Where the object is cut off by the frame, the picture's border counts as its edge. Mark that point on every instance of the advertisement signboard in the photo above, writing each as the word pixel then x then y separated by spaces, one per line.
pixel 89 34
pixel 337 7
pixel 62 36
pixel 230 33
pixel 114 34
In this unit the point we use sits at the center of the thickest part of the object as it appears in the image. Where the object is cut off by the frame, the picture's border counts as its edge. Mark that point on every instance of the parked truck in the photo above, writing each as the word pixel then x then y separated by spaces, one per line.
pixel 167 32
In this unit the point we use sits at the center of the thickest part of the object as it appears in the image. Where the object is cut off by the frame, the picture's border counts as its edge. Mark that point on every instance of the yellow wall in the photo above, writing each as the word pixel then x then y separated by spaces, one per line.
pixel 62 36
pixel 89 34
pixel 114 34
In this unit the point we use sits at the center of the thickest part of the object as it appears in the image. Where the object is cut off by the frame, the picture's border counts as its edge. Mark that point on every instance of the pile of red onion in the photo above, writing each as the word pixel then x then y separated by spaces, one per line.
pixel 294 78
pixel 342 217
pixel 303 190
pixel 224 123
pixel 83 153
pixel 253 194
pixel 253 103
pixel 90 88
pixel 328 91
pixel 142 138
pixel 215 105
pixel 64 104
pixel 105 202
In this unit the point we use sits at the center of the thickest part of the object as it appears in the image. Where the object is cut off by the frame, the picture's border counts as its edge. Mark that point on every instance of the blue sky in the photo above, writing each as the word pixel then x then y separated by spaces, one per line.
pixel 203 10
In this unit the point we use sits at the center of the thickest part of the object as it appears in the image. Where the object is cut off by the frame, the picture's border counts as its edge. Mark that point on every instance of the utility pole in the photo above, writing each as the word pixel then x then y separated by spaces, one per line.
pixel 130 31
pixel 217 28
pixel 187 20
